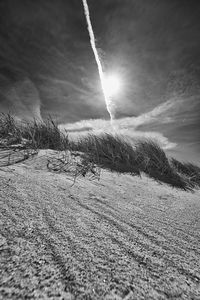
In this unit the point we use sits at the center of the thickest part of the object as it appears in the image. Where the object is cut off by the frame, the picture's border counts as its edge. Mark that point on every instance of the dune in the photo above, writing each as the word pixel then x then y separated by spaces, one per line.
pixel 119 237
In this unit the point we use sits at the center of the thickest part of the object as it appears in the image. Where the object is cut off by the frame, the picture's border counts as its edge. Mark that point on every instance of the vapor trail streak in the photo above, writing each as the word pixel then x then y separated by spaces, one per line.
pixel 96 55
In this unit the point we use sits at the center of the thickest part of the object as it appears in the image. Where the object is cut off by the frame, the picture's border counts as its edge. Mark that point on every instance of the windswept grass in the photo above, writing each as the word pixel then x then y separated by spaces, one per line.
pixel 106 151
pixel 36 135
pixel 188 171
pixel 116 154
pixel 153 161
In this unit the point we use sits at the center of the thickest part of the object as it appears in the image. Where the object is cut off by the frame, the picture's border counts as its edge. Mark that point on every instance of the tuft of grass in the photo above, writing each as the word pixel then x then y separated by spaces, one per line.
pixel 46 135
pixel 188 171
pixel 10 132
pixel 153 161
pixel 109 152
pixel 36 135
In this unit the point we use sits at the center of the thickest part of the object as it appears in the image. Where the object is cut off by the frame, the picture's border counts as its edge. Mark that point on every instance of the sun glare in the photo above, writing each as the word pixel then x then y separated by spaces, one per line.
pixel 111 84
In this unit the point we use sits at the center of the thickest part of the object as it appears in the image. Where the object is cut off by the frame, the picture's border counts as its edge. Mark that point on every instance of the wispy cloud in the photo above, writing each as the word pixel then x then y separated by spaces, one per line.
pixel 159 113
pixel 128 126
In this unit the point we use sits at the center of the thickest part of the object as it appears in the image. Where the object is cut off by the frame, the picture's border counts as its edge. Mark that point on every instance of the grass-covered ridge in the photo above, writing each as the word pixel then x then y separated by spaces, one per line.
pixel 106 151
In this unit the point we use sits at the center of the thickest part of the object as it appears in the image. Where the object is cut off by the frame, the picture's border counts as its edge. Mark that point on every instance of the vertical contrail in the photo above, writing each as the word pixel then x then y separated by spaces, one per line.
pixel 96 55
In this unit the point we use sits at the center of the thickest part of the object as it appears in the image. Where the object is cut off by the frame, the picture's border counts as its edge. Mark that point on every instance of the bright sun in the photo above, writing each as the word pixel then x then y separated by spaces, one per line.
pixel 111 84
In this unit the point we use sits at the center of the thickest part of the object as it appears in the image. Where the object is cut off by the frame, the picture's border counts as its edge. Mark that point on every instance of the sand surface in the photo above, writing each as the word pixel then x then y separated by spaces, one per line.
pixel 121 237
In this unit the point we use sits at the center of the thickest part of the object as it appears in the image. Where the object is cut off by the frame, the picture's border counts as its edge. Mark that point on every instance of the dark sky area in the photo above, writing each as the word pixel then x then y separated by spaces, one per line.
pixel 47 65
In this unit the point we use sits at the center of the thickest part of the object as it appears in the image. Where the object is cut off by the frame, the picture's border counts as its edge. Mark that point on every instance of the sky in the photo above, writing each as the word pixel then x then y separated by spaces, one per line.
pixel 47 67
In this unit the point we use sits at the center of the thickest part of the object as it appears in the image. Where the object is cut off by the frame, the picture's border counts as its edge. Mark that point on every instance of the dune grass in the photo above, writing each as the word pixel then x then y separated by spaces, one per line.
pixel 188 171
pixel 116 154
pixel 109 152
pixel 154 163
pixel 106 151
pixel 36 135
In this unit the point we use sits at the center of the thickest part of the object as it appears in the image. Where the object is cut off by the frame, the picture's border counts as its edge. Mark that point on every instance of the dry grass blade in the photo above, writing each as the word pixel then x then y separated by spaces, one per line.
pixel 14 155
pixel 70 163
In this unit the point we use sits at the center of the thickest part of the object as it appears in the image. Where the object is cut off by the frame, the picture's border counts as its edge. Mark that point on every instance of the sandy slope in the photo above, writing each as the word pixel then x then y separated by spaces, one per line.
pixel 122 237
